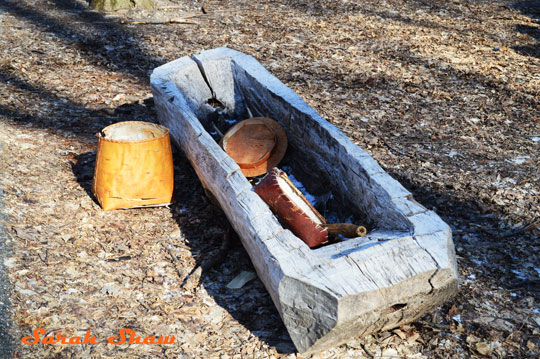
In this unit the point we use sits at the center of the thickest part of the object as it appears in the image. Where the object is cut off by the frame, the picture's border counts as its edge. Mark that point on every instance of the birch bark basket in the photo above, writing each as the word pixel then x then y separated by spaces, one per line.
pixel 404 267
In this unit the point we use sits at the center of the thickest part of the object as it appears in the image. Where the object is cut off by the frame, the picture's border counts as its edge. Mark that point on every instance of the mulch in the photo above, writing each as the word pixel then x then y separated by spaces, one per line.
pixel 444 95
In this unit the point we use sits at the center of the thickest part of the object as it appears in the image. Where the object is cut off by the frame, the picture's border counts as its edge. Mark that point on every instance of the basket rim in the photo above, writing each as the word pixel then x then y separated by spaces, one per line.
pixel 161 127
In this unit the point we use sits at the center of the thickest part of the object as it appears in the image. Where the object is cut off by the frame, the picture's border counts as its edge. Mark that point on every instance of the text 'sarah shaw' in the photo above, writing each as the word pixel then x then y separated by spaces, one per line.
pixel 124 336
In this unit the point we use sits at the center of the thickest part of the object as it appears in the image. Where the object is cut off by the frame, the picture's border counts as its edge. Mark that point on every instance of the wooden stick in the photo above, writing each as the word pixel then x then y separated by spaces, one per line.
pixel 183 20
pixel 217 130
pixel 519 230
pixel 174 260
pixel 347 230
pixel 512 232
pixel 368 352
pixel 171 7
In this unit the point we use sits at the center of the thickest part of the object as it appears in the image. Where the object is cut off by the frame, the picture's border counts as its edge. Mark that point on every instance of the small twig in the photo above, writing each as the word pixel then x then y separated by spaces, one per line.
pixel 174 260
pixel 122 258
pixel 169 249
pixel 103 247
pixel 222 252
pixel 93 22
pixel 510 233
pixel 439 327
pixel 141 302
pixel 368 352
pixel 183 20
pixel 193 279
pixel 529 283
pixel 46 260
pixel 517 331
pixel 519 230
pixel 249 112
pixel 171 7
pixel 391 148
pixel 217 130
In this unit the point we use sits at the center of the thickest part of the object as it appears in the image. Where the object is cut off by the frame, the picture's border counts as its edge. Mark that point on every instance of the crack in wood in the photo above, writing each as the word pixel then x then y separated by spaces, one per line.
pixel 203 74
pixel 434 260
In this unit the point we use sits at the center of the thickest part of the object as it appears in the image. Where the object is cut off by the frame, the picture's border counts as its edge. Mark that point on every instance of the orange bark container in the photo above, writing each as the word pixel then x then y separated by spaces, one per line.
pixel 134 166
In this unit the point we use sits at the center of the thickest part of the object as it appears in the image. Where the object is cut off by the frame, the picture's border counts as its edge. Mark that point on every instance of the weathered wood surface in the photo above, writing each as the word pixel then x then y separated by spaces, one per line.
pixel 324 296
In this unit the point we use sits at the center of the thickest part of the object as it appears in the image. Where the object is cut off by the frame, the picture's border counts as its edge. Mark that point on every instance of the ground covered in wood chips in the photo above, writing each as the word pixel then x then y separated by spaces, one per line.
pixel 444 95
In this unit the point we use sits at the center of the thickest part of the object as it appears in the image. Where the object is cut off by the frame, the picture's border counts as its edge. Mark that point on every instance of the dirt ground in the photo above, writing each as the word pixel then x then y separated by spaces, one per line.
pixel 445 95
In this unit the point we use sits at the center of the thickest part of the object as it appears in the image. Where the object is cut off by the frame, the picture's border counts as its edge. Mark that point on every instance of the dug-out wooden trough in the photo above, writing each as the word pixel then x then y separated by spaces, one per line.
pixel 403 268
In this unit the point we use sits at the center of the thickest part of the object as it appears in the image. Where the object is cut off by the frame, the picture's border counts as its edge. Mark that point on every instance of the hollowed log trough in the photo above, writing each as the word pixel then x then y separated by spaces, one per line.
pixel 404 267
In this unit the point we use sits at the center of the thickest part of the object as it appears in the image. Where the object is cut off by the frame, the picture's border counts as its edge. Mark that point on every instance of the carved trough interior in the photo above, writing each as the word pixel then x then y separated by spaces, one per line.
pixel 403 267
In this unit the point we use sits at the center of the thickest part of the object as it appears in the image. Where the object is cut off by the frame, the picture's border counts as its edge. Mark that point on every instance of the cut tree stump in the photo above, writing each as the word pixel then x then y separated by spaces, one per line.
pixel 404 267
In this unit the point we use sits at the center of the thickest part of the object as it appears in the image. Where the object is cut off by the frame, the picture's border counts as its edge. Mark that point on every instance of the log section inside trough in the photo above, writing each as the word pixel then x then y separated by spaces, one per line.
pixel 404 267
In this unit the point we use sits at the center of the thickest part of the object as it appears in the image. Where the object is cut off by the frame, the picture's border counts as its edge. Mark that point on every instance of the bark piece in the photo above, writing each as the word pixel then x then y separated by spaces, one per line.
pixel 292 207
pixel 242 279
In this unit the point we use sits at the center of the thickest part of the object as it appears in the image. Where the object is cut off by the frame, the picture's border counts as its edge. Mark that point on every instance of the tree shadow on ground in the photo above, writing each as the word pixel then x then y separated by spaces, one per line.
pixel 449 9
pixel 409 8
pixel 529 8
pixel 498 255
pixel 64 115
pixel 530 50
pixel 192 210
pixel 96 38
pixel 203 227
pixel 83 166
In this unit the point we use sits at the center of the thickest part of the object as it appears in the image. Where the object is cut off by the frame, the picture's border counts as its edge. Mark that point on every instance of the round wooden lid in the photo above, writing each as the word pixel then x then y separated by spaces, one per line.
pixel 256 145
pixel 251 144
